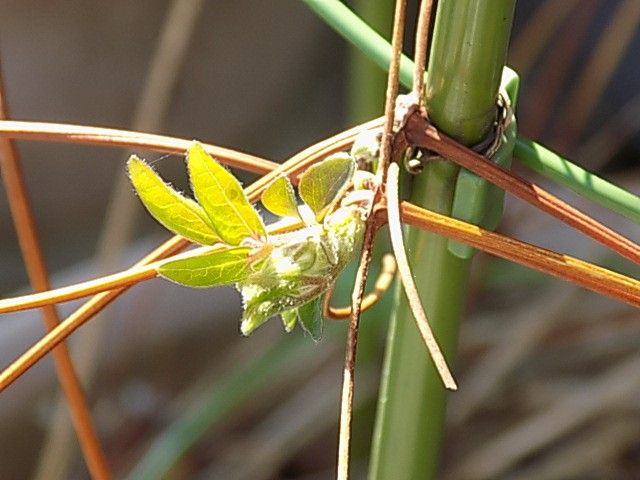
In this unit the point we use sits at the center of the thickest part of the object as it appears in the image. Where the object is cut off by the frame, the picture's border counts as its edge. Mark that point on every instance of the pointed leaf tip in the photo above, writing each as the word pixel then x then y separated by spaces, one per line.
pixel 324 183
pixel 289 319
pixel 280 199
pixel 222 198
pixel 179 214
pixel 310 317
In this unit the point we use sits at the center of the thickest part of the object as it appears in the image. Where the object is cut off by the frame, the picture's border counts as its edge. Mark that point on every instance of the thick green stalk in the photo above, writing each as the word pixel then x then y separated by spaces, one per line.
pixel 535 156
pixel 469 48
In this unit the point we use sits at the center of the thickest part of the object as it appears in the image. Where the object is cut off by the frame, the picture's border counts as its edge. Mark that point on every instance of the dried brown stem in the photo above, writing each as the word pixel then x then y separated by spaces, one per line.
pixel 395 229
pixel 582 273
pixel 569 268
pixel 81 134
pixel 421 49
pixel 119 222
pixel 346 405
pixel 24 222
pixel 420 133
pixel 382 284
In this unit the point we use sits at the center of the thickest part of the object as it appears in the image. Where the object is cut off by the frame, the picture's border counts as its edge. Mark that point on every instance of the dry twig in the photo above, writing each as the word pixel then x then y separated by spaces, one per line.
pixel 346 405
pixel 420 133
pixel 25 224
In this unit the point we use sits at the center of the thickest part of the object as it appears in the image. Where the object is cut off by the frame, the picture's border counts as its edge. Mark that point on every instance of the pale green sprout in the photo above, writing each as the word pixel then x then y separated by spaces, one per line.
pixel 280 199
pixel 284 274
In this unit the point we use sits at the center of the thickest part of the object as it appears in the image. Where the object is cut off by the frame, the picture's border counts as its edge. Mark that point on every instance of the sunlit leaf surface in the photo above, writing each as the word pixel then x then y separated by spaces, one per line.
pixel 324 183
pixel 179 214
pixel 222 197
pixel 279 198
pixel 209 270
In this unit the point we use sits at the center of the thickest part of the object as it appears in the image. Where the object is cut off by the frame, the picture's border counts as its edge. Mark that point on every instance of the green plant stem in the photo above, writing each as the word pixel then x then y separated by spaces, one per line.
pixel 544 161
pixel 535 156
pixel 405 445
pixel 469 48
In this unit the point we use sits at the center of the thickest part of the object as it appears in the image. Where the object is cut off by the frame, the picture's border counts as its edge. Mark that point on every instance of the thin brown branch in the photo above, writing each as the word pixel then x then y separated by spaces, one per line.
pixel 136 274
pixel 80 134
pixel 348 379
pixel 348 372
pixel 24 222
pixel 118 226
pixel 395 229
pixel 582 273
pixel 111 137
pixel 421 49
pixel 386 142
pixel 78 318
pixel 585 274
pixel 420 133
pixel 382 284
pixel 79 290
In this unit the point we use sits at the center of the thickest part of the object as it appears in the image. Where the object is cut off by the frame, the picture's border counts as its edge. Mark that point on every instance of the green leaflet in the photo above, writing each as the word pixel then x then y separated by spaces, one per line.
pixel 310 316
pixel 324 183
pixel 289 319
pixel 280 199
pixel 209 270
pixel 222 197
pixel 179 214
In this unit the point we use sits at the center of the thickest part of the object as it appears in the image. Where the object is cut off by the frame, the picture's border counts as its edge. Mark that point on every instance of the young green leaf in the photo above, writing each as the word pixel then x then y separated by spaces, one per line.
pixel 310 316
pixel 217 268
pixel 222 197
pixel 179 214
pixel 280 199
pixel 289 319
pixel 322 185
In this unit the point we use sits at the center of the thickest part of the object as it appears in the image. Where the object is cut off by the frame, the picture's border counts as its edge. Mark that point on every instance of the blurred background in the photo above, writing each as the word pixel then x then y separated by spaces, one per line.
pixel 550 373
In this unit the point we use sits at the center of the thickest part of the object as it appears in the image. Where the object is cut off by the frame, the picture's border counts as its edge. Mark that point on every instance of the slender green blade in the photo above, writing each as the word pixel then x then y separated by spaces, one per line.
pixel 322 185
pixel 222 198
pixel 280 199
pixel 179 214
pixel 209 270
pixel 310 316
